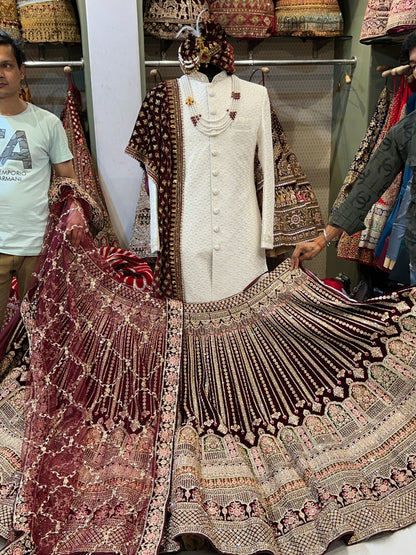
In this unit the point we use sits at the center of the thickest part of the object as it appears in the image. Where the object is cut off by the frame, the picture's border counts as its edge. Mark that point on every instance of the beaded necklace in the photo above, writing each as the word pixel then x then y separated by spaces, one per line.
pixel 212 126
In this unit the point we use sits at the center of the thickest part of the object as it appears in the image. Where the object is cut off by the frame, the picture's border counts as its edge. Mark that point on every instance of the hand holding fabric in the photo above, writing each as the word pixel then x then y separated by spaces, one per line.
pixel 76 223
pixel 305 251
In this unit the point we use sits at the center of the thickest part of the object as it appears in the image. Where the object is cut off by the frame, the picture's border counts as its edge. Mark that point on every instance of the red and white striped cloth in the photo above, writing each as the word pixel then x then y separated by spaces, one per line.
pixel 130 269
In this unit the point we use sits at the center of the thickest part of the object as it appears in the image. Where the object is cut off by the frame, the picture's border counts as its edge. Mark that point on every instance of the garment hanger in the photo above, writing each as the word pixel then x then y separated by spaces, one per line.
pixel 73 88
pixel 155 73
pixel 264 70
pixel 25 91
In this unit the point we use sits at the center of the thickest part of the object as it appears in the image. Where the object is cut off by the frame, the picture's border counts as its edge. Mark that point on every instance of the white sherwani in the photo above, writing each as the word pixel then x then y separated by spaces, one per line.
pixel 223 235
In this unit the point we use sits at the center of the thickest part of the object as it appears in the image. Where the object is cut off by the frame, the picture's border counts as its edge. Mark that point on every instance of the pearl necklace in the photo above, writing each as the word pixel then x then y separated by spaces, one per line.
pixel 212 126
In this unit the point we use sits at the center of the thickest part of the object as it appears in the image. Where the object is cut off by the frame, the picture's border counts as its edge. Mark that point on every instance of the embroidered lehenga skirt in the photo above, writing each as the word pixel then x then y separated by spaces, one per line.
pixel 276 420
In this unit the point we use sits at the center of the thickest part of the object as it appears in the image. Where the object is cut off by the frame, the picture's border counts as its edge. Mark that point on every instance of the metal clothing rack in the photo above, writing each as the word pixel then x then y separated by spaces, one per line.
pixel 55 63
pixel 252 62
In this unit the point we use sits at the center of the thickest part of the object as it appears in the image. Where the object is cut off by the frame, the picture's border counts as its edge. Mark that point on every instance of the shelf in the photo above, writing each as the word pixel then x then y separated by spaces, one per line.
pixel 394 38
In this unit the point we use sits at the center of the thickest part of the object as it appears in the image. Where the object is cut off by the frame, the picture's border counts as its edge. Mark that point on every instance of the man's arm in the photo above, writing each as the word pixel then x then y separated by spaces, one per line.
pixel 378 175
pixel 76 223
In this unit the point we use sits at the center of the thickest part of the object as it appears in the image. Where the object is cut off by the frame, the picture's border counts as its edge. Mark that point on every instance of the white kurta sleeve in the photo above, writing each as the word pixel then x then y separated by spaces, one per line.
pixel 265 151
pixel 154 218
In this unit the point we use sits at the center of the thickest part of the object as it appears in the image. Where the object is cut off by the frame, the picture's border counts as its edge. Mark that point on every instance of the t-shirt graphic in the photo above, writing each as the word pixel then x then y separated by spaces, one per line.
pixel 16 149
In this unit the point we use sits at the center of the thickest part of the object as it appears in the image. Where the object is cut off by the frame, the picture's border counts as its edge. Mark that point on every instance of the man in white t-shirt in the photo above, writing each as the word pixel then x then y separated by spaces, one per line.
pixel 32 141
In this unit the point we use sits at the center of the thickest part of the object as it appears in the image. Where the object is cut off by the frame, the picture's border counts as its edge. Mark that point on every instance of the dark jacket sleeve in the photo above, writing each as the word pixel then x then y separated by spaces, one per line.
pixel 387 161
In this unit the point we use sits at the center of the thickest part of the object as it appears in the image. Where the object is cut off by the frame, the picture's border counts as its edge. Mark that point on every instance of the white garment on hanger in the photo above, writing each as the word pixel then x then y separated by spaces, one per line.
pixel 223 235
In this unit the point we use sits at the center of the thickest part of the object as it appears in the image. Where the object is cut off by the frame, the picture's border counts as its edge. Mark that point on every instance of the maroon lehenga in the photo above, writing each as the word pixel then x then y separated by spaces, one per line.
pixel 276 420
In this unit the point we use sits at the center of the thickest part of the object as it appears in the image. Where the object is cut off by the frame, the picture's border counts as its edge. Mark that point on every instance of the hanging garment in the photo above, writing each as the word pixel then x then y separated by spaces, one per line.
pixel 243 19
pixel 278 420
pixel 309 18
pixel 25 92
pixel 164 18
pixel 48 21
pixel 398 149
pixel 399 226
pixel 212 236
pixel 407 174
pixel 9 20
pixel 297 216
pixel 375 20
pixel 379 214
pixel 356 246
pixel 381 250
pixel 402 16
pixel 84 166
pixel 367 146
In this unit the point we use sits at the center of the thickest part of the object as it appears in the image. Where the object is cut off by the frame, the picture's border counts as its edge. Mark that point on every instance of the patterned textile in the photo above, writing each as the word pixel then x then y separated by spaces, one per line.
pixel 378 215
pixel 295 411
pixel 48 21
pixel 13 368
pixel 139 242
pixel 243 19
pixel 356 246
pixel 375 19
pixel 165 18
pixel 309 18
pixel 366 148
pixel 90 480
pixel 206 44
pixel 9 20
pixel 85 168
pixel 402 16
pixel 130 270
pixel 159 118
pixel 25 94
pixel 297 216
pixel 13 304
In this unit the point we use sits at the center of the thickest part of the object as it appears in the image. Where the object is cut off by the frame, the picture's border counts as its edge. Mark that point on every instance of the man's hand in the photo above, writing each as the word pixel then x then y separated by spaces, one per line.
pixel 76 224
pixel 309 249
pixel 305 251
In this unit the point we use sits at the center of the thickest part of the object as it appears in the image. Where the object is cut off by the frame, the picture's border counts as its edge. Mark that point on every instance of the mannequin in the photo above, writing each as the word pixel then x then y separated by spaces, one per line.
pixel 206 224
pixel 210 70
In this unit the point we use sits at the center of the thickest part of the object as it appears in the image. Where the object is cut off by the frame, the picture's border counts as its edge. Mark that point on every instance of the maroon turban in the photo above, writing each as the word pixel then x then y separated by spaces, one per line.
pixel 206 44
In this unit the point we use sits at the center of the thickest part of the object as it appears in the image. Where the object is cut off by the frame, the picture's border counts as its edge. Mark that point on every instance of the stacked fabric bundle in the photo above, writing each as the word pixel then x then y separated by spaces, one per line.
pixel 48 21
pixel 164 19
pixel 247 19
pixel 309 18
pixel 243 19
pixel 384 17
pixel 9 20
